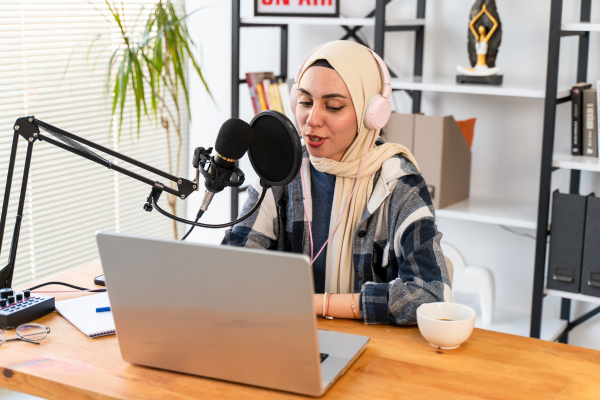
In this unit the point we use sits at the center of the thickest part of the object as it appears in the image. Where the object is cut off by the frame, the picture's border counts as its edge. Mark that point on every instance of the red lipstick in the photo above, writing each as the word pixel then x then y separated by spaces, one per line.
pixel 314 143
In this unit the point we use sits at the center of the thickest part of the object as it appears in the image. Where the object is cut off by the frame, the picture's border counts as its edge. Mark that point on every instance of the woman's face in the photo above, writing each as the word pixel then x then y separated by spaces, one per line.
pixel 325 113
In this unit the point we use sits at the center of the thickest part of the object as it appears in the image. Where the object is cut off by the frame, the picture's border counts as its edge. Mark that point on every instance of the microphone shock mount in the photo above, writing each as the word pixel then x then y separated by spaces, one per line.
pixel 216 178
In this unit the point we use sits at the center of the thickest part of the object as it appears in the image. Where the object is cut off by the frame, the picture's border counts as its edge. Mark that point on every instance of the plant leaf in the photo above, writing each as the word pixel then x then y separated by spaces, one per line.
pixel 117 17
pixel 123 88
pixel 159 60
pixel 110 67
pixel 116 88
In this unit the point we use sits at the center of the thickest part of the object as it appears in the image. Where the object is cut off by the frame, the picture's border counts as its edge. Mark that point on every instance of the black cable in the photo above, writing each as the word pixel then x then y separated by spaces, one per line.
pixel 200 212
pixel 66 284
pixel 163 212
pixel 237 221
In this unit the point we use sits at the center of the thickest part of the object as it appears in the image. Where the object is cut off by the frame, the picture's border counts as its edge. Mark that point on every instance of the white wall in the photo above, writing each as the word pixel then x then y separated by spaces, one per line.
pixel 507 144
pixel 210 28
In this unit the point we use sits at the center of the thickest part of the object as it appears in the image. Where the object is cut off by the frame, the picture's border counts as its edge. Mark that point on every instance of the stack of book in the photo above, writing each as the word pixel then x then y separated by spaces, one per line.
pixel 269 93
pixel 584 127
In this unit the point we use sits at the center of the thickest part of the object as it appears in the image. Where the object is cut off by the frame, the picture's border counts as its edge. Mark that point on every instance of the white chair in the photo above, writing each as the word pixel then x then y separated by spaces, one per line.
pixel 450 268
pixel 471 280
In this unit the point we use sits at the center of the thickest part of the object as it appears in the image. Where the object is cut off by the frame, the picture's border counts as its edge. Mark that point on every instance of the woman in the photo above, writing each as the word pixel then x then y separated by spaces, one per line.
pixel 367 197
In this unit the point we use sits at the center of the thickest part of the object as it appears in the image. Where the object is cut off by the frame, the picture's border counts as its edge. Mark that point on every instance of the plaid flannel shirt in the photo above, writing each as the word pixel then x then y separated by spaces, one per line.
pixel 398 262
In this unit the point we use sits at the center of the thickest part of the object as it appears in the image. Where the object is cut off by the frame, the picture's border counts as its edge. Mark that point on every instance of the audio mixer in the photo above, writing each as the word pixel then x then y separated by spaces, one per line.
pixel 17 308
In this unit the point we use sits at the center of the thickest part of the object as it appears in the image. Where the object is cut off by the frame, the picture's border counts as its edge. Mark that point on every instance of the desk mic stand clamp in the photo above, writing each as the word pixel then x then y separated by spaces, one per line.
pixel 157 190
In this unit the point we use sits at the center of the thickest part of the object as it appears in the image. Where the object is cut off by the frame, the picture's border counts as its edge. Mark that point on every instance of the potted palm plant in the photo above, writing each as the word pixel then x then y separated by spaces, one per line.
pixel 149 67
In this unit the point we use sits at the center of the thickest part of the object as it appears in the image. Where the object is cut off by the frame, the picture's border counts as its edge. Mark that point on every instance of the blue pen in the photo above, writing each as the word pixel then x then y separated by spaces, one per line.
pixel 102 309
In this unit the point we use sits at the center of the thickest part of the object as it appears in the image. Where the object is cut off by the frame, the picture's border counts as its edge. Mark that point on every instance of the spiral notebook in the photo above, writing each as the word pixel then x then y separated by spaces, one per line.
pixel 81 312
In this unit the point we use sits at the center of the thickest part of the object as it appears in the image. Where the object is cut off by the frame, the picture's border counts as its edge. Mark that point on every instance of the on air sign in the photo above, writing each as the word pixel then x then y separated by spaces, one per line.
pixel 297 8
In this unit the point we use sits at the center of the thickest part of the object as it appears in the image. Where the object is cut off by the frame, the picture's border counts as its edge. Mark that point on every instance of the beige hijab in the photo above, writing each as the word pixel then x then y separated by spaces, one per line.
pixel 362 76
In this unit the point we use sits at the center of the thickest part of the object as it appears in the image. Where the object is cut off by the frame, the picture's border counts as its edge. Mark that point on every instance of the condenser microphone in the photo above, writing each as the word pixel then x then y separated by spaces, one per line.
pixel 274 150
pixel 233 141
pixel 273 146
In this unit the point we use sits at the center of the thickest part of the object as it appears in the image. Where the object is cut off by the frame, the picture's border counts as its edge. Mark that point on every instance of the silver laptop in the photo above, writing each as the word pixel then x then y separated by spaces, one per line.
pixel 222 312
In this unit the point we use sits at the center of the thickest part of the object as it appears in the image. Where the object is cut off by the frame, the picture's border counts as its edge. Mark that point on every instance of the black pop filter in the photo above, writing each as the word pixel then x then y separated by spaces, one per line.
pixel 275 152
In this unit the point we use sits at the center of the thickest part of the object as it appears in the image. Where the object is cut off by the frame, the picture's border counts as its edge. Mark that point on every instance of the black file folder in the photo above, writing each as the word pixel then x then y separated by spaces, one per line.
pixel 566 242
pixel 590 270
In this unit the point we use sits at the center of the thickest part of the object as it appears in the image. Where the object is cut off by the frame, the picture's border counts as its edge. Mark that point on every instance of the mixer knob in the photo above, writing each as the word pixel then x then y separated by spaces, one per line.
pixel 27 293
pixel 11 299
pixel 19 296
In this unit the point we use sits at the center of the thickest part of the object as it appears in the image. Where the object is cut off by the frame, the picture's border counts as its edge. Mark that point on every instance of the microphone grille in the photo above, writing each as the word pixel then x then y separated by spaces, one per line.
pixel 234 138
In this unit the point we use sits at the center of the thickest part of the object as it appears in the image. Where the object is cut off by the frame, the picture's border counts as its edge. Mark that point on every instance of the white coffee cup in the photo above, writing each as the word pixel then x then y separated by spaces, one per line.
pixel 445 325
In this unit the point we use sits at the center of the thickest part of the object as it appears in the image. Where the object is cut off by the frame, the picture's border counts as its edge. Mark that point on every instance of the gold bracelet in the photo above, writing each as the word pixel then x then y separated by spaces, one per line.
pixel 353 306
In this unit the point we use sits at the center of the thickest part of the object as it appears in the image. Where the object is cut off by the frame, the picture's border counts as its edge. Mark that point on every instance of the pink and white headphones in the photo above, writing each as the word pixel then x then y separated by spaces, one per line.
pixel 379 107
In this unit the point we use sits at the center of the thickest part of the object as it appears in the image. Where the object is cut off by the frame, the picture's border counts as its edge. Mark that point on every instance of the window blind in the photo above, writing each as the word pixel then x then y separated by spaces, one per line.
pixel 69 198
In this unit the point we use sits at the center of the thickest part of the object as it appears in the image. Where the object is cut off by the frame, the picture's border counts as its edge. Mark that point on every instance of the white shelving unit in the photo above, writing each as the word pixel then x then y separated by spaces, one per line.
pixel 450 86
pixel 572 296
pixel 581 163
pixel 512 213
pixel 328 21
pixel 492 211
pixel 517 214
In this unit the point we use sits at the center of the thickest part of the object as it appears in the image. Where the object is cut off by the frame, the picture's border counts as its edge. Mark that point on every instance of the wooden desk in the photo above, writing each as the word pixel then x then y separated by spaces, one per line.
pixel 398 363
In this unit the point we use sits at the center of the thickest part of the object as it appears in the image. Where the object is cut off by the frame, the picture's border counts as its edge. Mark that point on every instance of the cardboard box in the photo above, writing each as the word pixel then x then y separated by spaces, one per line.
pixel 443 155
pixel 400 129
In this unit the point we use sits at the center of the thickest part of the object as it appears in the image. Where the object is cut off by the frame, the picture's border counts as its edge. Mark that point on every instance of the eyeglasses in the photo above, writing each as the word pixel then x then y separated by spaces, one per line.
pixel 31 333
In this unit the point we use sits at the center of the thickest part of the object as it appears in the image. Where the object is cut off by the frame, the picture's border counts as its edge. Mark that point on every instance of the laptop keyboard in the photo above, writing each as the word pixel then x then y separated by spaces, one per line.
pixel 323 356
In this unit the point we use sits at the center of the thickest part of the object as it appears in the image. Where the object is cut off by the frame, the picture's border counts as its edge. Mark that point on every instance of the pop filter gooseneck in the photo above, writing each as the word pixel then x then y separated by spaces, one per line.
pixel 275 154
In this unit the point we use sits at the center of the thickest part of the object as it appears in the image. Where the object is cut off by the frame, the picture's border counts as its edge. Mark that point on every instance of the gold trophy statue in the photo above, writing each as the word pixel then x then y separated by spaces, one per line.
pixel 484 37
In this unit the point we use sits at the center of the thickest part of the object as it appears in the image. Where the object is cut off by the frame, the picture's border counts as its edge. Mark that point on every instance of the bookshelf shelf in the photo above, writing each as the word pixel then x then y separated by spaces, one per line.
pixel 450 86
pixel 328 21
pixel 580 163
pixel 572 296
pixel 581 27
pixel 517 323
pixel 493 211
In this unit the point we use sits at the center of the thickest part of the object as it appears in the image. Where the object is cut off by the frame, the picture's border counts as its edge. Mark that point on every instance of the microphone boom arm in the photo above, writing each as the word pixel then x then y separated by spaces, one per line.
pixel 29 125
pixel 29 129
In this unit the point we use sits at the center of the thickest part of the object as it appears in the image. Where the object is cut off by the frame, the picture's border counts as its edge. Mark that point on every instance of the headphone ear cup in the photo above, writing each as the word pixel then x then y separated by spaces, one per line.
pixel 378 112
pixel 293 98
